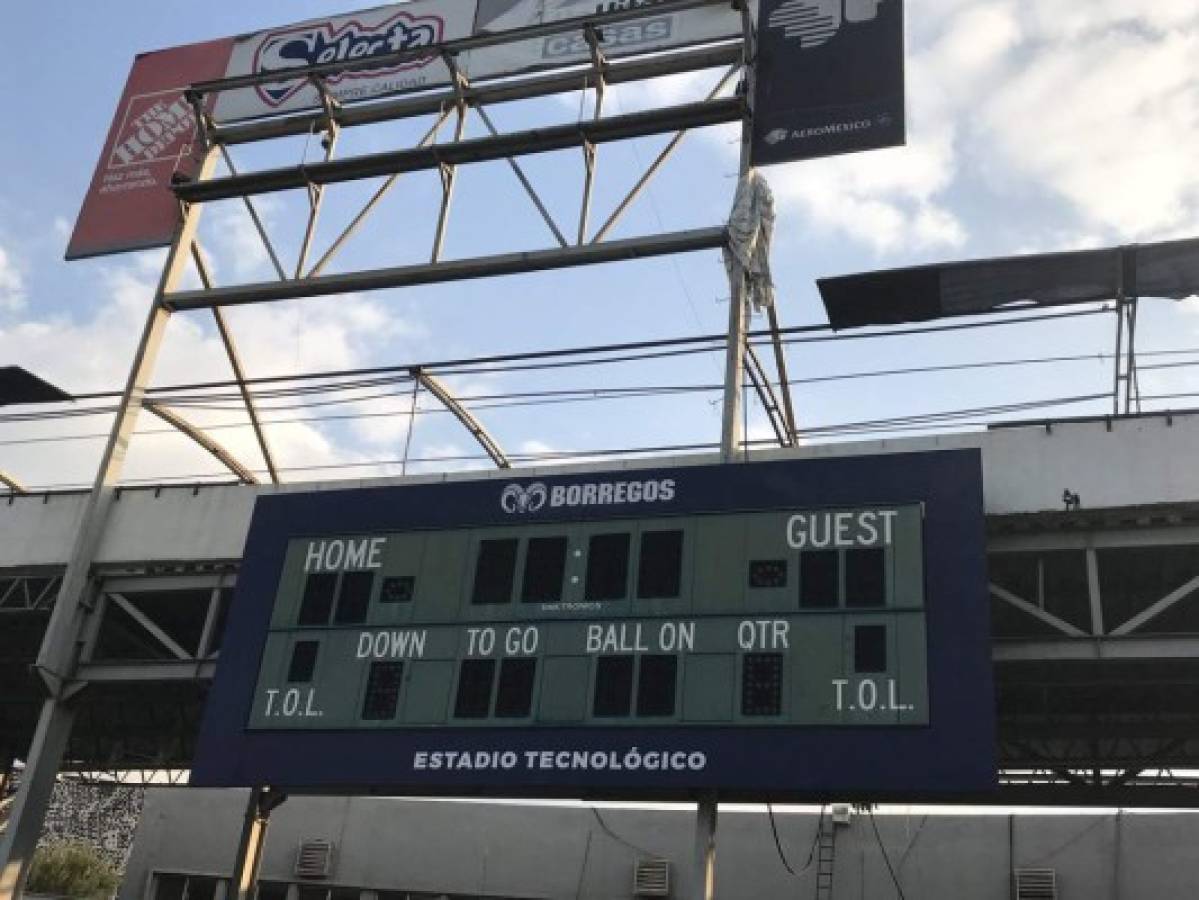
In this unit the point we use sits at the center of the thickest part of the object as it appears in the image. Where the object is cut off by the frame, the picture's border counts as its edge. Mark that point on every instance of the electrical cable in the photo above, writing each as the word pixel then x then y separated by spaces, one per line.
pixel 616 837
pixel 811 850
pixel 778 845
pixel 759 337
pixel 887 859
pixel 590 392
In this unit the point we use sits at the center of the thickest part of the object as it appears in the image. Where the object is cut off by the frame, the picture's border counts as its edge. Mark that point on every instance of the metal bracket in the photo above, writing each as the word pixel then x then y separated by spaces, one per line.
pixel 12 483
pixel 205 125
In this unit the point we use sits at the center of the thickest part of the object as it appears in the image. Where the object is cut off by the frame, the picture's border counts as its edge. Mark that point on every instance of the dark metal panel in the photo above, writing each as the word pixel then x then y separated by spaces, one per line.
pixel 20 386
pixel 918 293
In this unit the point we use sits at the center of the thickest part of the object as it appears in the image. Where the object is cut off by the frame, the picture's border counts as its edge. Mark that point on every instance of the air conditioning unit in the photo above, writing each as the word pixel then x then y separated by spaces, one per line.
pixel 842 813
pixel 314 859
pixel 651 878
pixel 1036 884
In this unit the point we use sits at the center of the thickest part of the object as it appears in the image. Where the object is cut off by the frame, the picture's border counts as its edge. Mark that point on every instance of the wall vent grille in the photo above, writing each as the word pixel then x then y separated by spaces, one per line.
pixel 1036 884
pixel 314 859
pixel 651 878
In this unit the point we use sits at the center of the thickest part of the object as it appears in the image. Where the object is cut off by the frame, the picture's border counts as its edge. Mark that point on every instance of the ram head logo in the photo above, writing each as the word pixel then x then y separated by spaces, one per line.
pixel 523 499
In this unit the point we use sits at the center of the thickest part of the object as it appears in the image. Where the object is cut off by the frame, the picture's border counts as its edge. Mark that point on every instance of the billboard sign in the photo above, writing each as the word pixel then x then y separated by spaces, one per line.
pixel 129 204
pixel 765 630
pixel 375 32
pixel 658 29
pixel 829 78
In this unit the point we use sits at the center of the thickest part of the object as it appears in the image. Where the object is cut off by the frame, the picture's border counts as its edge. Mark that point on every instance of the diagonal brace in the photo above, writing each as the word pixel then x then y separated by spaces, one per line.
pixel 473 425
pixel 239 373
pixel 767 396
pixel 12 483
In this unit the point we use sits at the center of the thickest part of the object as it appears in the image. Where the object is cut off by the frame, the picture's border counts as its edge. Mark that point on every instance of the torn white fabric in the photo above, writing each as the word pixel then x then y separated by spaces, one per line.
pixel 751 227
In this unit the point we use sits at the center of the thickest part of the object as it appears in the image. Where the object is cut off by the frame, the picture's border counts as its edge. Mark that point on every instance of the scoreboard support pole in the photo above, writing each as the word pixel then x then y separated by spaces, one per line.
pixel 261 803
pixel 703 872
pixel 703 875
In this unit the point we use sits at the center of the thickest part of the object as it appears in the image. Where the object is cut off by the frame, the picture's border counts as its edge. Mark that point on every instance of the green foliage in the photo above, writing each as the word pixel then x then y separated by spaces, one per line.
pixel 72 869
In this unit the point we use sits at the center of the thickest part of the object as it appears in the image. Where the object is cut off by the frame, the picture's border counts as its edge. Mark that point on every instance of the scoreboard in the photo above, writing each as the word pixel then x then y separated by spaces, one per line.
pixel 763 630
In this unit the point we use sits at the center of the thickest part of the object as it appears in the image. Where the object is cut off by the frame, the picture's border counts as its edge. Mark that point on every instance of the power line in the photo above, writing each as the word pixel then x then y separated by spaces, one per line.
pixel 760 337
pixel 581 393
pixel 616 837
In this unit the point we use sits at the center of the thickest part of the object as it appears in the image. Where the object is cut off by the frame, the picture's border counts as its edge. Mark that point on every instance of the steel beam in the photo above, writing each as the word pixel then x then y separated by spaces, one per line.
pixel 316 196
pixel 659 160
pixel 1036 612
pixel 621 72
pixel 525 183
pixel 780 362
pixel 355 223
pixel 1175 596
pixel 256 219
pixel 484 149
pixel 150 626
pixel 734 364
pixel 58 655
pixel 449 176
pixel 767 397
pixel 12 483
pixel 463 415
pixel 453 270
pixel 177 421
pixel 590 152
pixel 239 374
pixel 33 797
pixel 1093 648
pixel 165 670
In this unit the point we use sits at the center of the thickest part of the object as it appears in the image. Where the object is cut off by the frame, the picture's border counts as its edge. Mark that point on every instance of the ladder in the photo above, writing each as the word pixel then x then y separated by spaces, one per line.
pixel 826 851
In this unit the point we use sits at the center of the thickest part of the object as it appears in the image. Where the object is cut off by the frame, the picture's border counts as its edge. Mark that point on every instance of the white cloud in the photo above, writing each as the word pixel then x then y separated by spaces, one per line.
pixel 1108 122
pixel 1069 21
pixel 230 233
pixel 12 285
pixel 91 351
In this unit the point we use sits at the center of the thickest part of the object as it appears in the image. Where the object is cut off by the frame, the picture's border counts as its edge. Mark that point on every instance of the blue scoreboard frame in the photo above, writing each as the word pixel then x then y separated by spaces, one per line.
pixel 947 749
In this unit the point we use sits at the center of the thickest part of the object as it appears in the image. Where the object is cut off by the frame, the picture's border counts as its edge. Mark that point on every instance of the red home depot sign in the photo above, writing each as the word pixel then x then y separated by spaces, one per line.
pixel 129 205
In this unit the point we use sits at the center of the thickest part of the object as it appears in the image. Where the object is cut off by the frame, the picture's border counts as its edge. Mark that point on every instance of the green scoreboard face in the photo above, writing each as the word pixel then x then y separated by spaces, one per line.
pixel 803 617
pixel 762 630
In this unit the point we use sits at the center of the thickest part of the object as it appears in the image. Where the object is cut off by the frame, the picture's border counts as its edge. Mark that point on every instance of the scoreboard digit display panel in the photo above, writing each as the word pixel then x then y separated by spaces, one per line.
pixel 762 630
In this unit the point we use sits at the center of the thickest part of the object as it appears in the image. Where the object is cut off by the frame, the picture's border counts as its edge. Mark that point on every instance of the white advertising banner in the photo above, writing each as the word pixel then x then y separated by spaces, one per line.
pixel 374 32
pixel 660 30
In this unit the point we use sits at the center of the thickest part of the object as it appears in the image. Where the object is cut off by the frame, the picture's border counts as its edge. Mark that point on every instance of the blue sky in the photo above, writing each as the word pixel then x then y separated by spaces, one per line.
pixel 1033 126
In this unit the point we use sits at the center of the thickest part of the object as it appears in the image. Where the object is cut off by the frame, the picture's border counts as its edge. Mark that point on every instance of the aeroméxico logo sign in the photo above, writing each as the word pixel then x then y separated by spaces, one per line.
pixel 830 78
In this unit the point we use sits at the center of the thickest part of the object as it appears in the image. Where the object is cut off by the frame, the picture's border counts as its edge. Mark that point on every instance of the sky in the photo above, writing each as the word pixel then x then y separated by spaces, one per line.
pixel 1032 126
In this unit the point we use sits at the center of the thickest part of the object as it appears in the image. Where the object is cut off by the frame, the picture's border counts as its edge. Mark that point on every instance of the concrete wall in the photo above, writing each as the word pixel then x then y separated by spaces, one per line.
pixel 482 849
pixel 1136 461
